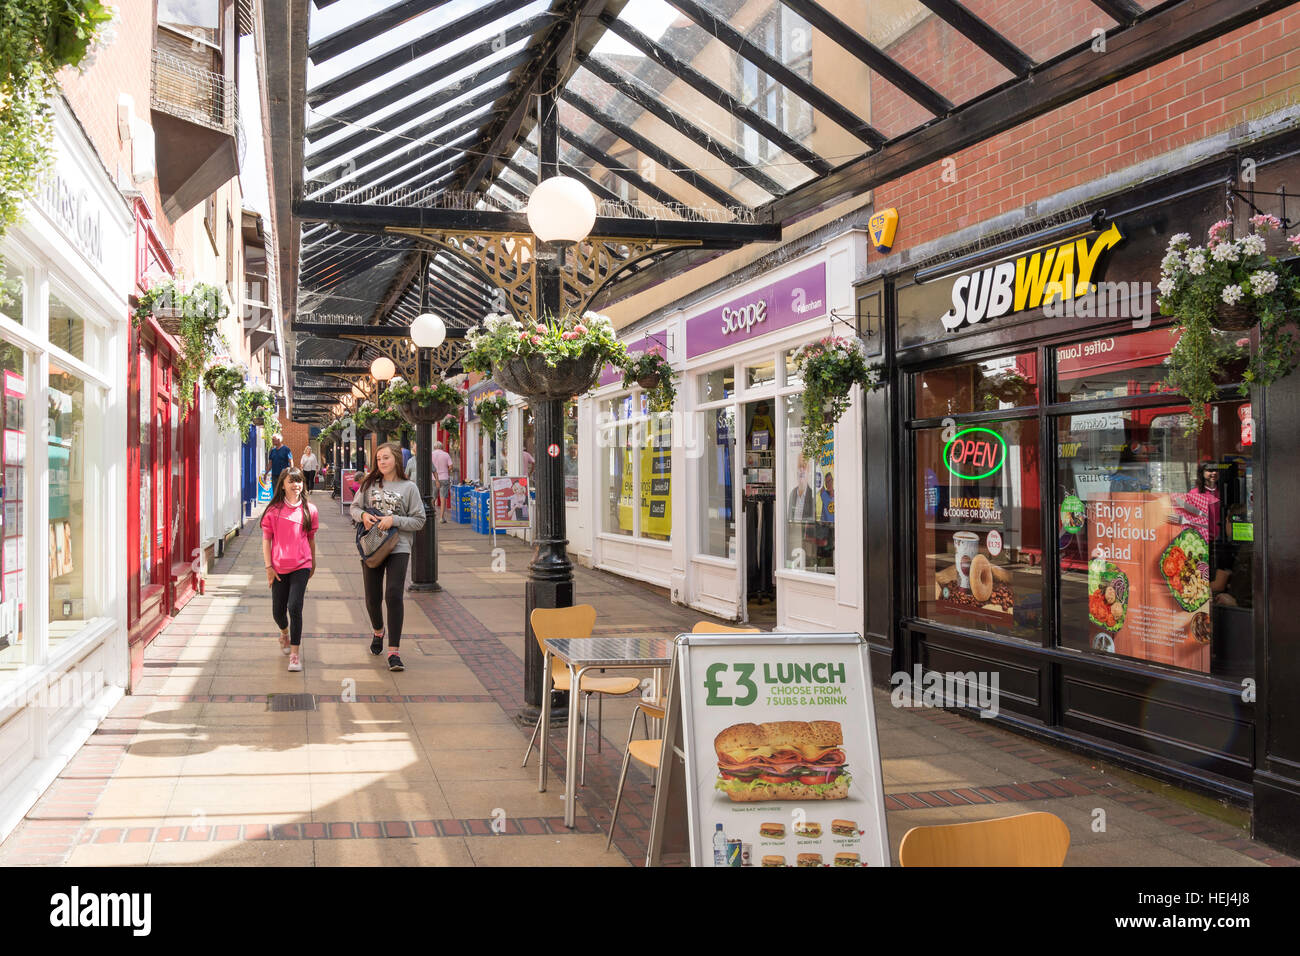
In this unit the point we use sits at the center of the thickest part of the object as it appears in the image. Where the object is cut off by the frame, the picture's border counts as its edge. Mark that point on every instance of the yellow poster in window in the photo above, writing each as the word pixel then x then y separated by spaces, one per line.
pixel 626 497
pixel 656 492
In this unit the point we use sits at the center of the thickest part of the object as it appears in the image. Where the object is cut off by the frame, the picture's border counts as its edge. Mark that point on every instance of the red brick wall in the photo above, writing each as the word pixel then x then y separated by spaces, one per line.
pixel 295 436
pixel 1244 75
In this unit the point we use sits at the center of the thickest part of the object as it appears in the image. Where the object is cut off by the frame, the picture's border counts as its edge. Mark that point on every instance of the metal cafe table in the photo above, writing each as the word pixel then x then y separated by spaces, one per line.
pixel 581 655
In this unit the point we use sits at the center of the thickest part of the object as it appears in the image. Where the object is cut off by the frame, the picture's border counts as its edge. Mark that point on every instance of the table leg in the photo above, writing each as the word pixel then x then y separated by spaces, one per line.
pixel 546 722
pixel 571 766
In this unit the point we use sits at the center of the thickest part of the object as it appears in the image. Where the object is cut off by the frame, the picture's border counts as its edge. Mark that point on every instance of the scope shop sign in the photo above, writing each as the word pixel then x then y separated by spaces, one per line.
pixel 782 760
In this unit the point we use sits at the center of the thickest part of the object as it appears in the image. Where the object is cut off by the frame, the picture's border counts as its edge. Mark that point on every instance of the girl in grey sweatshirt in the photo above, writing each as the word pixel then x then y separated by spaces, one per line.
pixel 388 491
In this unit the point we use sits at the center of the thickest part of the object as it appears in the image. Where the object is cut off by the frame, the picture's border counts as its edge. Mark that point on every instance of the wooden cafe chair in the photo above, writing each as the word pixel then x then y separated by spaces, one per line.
pixel 1028 839
pixel 574 622
pixel 648 752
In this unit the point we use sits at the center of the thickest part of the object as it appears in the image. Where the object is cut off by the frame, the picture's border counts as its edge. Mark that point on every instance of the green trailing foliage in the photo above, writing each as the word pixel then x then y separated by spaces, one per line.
pixel 194 318
pixel 829 369
pixel 37 39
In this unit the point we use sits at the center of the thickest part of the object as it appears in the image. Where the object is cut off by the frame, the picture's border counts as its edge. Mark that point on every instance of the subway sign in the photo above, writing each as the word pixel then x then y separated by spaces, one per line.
pixel 1063 271
pixel 975 453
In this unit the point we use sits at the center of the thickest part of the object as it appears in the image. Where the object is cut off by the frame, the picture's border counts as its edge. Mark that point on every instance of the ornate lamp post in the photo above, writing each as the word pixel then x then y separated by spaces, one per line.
pixel 428 332
pixel 560 212
pixel 381 370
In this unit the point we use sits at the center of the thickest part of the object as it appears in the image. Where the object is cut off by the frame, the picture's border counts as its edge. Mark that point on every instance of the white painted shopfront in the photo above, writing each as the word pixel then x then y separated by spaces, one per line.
pixel 63 344
pixel 696 501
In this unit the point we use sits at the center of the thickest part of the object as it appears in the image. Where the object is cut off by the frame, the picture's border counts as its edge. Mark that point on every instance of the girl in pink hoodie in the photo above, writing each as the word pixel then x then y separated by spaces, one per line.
pixel 289 526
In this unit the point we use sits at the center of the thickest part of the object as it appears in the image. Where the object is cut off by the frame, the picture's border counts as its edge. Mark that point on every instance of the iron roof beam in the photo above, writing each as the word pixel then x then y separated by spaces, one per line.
pixel 390 124
pixel 656 107
pixel 872 56
pixel 368 218
pixel 833 110
pixel 706 87
pixel 982 35
pixel 1123 12
pixel 386 63
pixel 646 148
pixel 573 16
pixel 421 82
pixel 376 24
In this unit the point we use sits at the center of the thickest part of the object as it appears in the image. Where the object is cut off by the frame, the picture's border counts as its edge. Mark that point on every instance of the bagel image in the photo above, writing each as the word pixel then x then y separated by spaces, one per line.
pixel 981 579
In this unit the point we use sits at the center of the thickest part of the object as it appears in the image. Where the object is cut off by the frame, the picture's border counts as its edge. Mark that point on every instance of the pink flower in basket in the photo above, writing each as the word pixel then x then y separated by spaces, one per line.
pixel 541 329
pixel 582 329
pixel 1219 230
pixel 537 340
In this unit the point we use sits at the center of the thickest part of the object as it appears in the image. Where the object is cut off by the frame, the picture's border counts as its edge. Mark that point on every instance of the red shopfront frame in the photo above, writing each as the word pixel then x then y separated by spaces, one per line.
pixel 162 466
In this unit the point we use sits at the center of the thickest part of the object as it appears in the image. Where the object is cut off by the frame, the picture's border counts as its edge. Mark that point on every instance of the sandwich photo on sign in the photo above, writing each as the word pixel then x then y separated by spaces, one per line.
pixel 783 760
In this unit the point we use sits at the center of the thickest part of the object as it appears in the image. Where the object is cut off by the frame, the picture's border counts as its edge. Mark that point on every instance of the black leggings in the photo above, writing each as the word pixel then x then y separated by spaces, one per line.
pixel 379 593
pixel 286 602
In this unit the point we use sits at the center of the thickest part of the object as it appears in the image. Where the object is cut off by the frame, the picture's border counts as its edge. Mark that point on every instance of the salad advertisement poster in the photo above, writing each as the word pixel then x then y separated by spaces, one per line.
pixel 1148 579
pixel 781 752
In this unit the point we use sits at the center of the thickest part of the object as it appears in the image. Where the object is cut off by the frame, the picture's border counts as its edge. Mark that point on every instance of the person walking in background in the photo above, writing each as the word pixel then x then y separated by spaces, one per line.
pixel 310 465
pixel 442 479
pixel 406 454
pixel 278 459
pixel 389 499
pixel 289 526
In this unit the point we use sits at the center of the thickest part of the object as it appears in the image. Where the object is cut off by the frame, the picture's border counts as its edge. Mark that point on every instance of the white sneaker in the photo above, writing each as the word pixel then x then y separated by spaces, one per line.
pixel 295 664
pixel 284 644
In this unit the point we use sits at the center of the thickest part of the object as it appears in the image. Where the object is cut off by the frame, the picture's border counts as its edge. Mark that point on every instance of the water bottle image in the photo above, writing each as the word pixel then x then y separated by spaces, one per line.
pixel 719 846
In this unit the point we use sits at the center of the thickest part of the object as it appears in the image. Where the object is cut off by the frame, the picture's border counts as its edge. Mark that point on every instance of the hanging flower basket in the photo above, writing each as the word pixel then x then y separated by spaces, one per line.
pixel 1216 293
pixel 535 378
pixel 423 405
pixel 829 370
pixel 492 414
pixel 555 359
pixel 1234 318
pixel 194 319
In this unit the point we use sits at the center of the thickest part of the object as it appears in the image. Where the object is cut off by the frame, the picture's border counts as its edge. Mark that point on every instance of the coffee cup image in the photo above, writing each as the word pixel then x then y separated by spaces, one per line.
pixel 966 544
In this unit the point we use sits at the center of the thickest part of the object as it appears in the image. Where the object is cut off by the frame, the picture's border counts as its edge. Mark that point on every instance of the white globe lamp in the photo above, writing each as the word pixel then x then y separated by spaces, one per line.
pixel 561 209
pixel 428 331
pixel 382 369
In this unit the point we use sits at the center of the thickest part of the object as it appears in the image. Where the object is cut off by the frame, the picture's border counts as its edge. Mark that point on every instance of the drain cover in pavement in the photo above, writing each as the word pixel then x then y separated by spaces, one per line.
pixel 291 702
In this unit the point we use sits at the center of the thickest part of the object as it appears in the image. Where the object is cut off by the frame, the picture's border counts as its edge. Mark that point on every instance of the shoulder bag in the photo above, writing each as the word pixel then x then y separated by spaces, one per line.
pixel 375 545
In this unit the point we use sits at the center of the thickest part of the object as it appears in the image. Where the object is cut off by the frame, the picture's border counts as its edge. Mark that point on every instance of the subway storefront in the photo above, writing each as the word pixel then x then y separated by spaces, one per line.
pixel 1042 509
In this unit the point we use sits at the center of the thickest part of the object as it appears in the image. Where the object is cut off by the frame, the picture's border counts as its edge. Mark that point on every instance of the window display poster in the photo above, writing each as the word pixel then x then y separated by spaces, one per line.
pixel 510 501
pixel 781 751
pixel 351 479
pixel 1148 580
pixel 656 491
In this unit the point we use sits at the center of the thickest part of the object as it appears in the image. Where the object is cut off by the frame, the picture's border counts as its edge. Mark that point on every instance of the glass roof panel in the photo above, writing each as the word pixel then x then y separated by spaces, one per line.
pixel 689 43
pixel 394 40
pixel 1042 33
pixel 457 87
pixel 685 154
pixel 705 114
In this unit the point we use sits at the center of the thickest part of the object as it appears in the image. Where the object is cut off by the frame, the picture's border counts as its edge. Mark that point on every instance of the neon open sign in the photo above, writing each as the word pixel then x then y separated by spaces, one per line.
pixel 975 453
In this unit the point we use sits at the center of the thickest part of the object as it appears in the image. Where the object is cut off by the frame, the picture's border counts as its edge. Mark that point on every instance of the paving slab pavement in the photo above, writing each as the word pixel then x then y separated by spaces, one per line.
pixel 422 767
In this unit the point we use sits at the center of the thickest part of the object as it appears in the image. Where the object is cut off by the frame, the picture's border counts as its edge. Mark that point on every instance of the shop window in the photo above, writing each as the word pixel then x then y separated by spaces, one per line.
pixel 616 476
pixel 978 536
pixel 792 376
pixel 12 291
pixel 717 497
pixel 1115 366
pixel 1156 533
pixel 810 502
pixel 717 385
pixel 987 386
pixel 13 368
pixel 762 374
pixel 67 328
pixel 571 452
pixel 70 598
